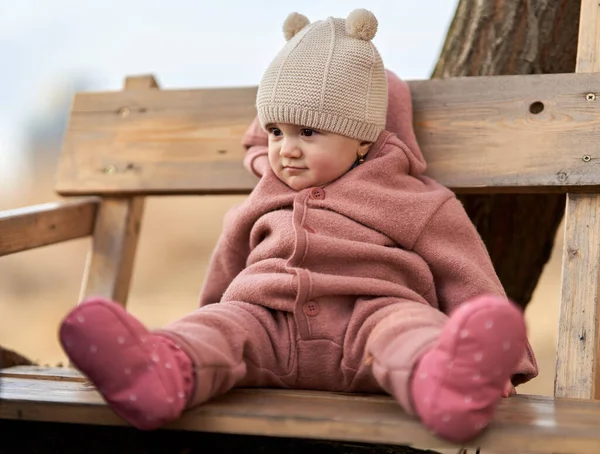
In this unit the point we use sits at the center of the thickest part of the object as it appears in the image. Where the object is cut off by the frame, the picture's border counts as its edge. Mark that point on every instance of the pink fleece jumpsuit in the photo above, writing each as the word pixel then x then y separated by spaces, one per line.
pixel 342 287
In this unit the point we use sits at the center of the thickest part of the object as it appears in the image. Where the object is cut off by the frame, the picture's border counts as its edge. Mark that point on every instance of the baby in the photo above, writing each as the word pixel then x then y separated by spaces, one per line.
pixel 346 269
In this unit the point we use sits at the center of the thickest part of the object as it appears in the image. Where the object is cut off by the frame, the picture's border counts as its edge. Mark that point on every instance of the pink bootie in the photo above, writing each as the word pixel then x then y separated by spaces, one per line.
pixel 458 384
pixel 145 378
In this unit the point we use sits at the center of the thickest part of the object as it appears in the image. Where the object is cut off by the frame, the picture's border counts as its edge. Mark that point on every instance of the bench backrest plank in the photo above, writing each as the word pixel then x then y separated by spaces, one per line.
pixel 477 133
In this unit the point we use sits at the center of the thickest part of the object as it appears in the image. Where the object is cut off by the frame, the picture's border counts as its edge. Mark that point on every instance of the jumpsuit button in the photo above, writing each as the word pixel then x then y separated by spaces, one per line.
pixel 311 308
pixel 317 194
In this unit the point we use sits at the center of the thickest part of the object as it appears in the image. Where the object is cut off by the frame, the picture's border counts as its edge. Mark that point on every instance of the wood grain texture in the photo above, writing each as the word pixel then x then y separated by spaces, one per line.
pixel 110 263
pixel 41 225
pixel 588 46
pixel 477 133
pixel 578 343
pixel 578 350
pixel 523 423
pixel 35 372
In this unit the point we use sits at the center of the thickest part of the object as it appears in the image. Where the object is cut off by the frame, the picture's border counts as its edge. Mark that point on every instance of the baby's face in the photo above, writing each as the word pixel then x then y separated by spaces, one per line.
pixel 303 157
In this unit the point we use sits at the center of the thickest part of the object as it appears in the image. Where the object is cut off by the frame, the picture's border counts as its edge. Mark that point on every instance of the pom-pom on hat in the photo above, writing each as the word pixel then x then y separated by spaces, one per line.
pixel 329 76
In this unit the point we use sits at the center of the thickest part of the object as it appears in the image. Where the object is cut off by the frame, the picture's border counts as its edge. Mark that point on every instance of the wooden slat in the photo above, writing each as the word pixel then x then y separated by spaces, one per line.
pixel 110 263
pixel 523 423
pixel 141 82
pixel 578 349
pixel 43 373
pixel 160 141
pixel 588 44
pixel 41 225
pixel 477 134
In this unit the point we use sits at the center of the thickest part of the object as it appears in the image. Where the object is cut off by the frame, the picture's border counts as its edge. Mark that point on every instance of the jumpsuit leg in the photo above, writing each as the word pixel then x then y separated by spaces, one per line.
pixel 451 372
pixel 150 377
pixel 381 327
pixel 235 344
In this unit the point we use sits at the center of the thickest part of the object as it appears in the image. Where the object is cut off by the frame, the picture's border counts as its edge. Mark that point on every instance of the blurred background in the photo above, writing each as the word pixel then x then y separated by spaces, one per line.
pixel 49 50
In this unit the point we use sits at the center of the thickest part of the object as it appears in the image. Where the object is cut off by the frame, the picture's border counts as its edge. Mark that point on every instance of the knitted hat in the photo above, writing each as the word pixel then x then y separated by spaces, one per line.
pixel 329 76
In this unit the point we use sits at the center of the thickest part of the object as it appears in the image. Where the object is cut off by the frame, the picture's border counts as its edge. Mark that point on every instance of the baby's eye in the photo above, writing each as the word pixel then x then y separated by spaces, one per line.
pixel 308 132
pixel 275 131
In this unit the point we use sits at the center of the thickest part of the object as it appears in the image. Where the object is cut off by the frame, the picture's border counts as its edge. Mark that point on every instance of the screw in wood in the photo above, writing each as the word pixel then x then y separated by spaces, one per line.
pixel 590 97
pixel 587 158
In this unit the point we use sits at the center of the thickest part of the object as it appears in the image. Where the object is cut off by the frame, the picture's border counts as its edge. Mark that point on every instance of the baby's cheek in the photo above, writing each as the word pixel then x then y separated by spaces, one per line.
pixel 325 165
pixel 273 160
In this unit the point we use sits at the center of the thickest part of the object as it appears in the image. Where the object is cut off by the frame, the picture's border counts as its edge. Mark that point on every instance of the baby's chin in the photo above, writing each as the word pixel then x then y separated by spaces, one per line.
pixel 297 183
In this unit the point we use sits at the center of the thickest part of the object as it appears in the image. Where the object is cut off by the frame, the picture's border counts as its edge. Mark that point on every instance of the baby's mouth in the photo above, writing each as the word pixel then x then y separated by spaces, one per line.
pixel 293 168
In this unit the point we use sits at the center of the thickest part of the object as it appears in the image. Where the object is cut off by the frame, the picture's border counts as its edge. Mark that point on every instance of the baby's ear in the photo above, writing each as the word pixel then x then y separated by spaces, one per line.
pixel 293 24
pixel 364 147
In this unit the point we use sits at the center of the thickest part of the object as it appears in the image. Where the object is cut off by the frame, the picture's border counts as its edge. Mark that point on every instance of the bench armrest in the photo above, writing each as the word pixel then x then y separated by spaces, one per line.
pixel 49 223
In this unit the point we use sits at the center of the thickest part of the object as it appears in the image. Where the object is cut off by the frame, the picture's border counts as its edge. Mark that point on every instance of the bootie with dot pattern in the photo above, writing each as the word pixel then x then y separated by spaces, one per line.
pixel 145 378
pixel 458 384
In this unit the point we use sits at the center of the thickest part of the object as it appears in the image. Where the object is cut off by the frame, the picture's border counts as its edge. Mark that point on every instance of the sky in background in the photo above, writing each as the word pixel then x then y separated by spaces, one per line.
pixel 50 47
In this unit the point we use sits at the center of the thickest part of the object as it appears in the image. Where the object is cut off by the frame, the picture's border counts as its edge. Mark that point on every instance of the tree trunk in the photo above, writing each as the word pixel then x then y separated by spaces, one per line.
pixel 492 37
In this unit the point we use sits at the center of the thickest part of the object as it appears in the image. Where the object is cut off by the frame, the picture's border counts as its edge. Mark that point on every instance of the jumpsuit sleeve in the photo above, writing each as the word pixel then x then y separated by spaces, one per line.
pixel 256 141
pixel 462 268
pixel 227 260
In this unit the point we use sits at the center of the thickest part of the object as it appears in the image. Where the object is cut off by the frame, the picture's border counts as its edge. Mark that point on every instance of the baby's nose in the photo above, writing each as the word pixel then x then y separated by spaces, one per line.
pixel 290 149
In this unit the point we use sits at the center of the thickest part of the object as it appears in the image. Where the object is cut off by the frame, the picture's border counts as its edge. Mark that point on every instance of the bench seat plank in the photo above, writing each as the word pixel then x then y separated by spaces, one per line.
pixel 523 423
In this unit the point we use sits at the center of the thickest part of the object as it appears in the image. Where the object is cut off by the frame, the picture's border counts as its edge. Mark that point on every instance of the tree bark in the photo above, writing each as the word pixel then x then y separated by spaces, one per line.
pixel 494 37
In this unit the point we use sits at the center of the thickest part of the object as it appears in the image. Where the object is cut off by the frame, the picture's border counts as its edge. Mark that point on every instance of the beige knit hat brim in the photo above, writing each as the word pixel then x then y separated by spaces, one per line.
pixel 320 121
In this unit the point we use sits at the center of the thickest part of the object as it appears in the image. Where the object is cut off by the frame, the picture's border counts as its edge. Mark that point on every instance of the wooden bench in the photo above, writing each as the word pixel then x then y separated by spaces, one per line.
pixel 536 133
